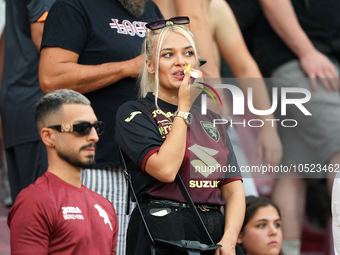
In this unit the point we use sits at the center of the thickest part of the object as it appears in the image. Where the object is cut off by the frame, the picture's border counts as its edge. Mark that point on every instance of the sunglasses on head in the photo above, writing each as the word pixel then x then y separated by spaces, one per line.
pixel 83 128
pixel 163 23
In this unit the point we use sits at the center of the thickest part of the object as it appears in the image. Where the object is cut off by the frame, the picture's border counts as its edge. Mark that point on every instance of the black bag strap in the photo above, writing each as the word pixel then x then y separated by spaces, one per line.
pixel 128 181
pixel 131 190
pixel 128 194
pixel 189 247
pixel 193 209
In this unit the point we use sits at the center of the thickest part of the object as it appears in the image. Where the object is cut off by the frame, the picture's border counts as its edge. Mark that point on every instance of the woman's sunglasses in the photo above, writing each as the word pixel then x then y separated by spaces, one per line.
pixel 83 128
pixel 163 23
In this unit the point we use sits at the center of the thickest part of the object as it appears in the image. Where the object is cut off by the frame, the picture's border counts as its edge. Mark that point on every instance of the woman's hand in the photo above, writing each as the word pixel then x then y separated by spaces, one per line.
pixel 228 247
pixel 189 92
pixel 196 84
pixel 184 93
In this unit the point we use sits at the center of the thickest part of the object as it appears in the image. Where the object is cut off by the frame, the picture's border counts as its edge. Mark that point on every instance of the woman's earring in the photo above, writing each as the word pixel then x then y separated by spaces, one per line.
pixel 51 144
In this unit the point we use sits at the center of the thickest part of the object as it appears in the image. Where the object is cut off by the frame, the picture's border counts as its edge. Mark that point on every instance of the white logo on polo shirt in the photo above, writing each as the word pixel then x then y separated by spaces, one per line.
pixel 103 214
pixel 72 213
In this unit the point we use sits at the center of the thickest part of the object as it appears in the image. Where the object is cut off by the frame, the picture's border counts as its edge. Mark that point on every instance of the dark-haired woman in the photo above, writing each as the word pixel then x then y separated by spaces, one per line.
pixel 261 233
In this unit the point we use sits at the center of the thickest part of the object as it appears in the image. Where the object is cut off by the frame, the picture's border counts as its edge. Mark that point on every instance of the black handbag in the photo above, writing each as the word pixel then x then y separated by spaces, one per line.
pixel 173 246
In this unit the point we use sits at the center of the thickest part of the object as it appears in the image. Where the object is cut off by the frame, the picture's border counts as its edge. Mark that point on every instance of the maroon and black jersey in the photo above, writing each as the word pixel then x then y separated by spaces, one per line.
pixel 209 160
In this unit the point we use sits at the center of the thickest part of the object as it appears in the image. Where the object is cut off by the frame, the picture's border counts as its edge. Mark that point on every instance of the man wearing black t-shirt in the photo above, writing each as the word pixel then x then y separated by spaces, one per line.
pixel 94 47
pixel 300 39
pixel 25 153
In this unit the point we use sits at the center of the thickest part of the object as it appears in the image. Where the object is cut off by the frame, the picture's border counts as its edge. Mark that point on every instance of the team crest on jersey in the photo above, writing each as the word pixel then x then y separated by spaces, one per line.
pixel 210 130
pixel 103 214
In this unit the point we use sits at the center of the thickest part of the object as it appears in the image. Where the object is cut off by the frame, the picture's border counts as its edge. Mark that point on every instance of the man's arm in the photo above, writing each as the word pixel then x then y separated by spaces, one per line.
pixel 198 12
pixel 59 69
pixel 230 41
pixel 30 224
pixel 167 8
pixel 37 29
pixel 282 18
pixel 2 54
pixel 234 50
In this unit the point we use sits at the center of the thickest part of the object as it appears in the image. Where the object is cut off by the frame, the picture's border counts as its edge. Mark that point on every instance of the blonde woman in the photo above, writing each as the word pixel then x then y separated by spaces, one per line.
pixel 162 134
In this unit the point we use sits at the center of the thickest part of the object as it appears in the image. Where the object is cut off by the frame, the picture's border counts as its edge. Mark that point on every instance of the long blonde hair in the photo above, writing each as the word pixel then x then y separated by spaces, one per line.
pixel 150 82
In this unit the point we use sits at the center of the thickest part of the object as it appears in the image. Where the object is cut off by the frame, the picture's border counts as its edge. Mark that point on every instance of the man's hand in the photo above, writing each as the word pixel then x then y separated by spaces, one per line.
pixel 269 146
pixel 136 65
pixel 317 65
pixel 283 20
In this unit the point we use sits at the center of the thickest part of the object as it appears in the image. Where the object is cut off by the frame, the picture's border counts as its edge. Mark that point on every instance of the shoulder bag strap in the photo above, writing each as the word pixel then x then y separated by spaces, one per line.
pixel 193 208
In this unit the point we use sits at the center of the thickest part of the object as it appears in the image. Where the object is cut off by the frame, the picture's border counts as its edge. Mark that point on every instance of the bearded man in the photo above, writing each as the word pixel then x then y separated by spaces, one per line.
pixel 93 47
pixel 58 214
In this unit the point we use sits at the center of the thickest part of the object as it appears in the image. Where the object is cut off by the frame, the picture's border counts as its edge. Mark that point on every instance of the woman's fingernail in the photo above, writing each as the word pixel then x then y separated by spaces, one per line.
pixel 188 68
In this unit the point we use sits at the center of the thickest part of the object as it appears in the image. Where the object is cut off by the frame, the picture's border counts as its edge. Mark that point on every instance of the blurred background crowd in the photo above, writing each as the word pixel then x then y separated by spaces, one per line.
pixel 293 41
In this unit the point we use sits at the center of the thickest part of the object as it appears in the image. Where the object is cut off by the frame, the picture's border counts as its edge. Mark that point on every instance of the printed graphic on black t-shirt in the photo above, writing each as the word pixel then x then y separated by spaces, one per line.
pixel 101 31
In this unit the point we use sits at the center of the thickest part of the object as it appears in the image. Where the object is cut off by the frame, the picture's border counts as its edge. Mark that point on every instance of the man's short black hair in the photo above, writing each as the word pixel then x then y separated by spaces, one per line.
pixel 52 102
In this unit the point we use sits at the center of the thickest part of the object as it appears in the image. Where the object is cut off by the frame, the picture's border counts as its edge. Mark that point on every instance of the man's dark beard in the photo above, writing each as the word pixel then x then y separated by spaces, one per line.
pixel 76 162
pixel 135 9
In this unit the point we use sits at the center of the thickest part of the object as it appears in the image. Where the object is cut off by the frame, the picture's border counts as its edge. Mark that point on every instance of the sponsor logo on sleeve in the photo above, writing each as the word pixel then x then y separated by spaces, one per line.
pixel 132 115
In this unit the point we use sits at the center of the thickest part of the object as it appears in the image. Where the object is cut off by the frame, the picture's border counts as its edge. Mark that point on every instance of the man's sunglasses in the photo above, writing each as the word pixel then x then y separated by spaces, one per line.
pixel 163 23
pixel 83 128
